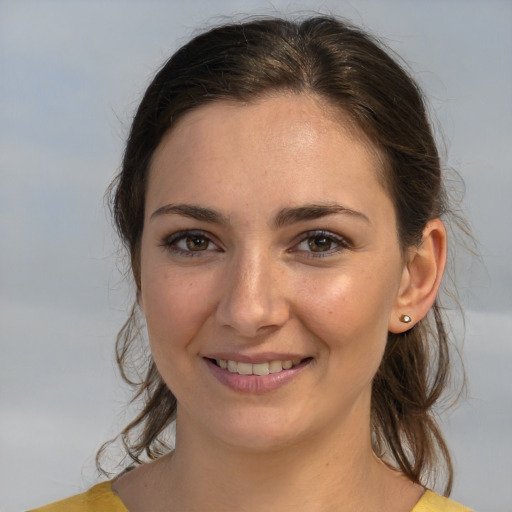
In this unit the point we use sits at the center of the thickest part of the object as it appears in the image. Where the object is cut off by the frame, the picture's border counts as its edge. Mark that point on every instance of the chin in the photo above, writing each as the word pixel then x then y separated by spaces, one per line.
pixel 256 431
pixel 259 440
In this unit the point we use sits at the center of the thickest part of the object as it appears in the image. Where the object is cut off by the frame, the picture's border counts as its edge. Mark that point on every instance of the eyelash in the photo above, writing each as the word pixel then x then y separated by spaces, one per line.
pixel 306 238
pixel 170 243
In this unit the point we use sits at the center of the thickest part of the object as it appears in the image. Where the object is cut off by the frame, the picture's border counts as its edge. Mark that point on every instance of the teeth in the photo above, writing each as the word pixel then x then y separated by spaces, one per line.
pixel 244 368
pixel 275 367
pixel 257 368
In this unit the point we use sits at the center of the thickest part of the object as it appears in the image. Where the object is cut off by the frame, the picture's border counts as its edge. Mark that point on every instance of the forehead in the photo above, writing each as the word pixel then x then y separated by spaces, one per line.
pixel 269 114
pixel 297 143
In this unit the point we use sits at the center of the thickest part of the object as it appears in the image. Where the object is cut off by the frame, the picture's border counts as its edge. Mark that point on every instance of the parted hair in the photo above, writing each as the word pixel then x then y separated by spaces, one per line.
pixel 348 68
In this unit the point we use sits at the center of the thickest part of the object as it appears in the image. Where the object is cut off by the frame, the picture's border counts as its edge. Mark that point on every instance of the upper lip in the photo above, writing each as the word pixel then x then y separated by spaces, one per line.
pixel 265 357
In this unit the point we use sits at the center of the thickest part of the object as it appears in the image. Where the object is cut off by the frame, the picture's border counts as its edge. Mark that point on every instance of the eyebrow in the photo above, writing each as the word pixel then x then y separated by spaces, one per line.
pixel 284 217
pixel 192 211
pixel 289 216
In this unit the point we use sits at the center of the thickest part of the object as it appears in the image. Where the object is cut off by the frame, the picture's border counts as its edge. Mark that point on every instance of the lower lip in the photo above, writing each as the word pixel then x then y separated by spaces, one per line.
pixel 256 384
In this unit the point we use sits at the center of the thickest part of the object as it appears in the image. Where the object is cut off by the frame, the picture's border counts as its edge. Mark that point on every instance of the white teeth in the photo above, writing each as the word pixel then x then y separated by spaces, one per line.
pixel 257 368
pixel 245 368
pixel 275 367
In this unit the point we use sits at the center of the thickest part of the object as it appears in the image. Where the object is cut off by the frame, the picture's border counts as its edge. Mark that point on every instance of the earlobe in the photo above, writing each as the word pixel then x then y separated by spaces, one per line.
pixel 421 278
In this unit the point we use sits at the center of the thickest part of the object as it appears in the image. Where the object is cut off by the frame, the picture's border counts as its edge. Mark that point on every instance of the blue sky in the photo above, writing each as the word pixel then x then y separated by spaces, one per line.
pixel 71 73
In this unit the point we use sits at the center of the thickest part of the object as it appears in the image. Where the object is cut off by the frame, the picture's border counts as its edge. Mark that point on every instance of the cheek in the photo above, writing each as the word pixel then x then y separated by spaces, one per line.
pixel 176 306
pixel 355 294
pixel 352 308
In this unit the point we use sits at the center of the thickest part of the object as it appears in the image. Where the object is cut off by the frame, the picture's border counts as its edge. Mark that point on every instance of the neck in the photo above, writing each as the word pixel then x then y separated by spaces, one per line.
pixel 330 470
pixel 315 473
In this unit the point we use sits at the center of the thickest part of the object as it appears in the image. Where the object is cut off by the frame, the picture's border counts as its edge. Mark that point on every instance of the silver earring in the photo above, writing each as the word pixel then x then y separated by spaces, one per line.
pixel 406 319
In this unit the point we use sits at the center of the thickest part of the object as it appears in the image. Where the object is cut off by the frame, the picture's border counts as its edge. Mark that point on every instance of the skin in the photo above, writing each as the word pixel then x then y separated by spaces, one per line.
pixel 255 279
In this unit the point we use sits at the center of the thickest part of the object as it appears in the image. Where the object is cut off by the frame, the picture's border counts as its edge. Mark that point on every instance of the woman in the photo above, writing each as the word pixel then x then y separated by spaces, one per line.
pixel 281 201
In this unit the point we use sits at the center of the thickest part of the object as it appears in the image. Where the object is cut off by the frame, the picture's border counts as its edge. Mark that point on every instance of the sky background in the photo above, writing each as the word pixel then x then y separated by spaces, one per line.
pixel 71 75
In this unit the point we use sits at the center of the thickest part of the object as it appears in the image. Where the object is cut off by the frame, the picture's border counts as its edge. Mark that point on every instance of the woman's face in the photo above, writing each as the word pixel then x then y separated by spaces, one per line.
pixel 268 242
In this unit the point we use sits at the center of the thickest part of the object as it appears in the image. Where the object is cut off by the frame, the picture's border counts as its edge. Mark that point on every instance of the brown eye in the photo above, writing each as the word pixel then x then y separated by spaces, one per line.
pixel 320 243
pixel 197 243
pixel 189 243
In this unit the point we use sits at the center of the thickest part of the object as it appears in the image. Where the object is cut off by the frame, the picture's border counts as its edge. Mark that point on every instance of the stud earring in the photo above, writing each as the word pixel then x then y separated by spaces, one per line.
pixel 406 319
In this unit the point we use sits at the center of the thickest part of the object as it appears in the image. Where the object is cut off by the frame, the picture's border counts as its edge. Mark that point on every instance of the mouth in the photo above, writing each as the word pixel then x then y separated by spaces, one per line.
pixel 261 368
pixel 259 376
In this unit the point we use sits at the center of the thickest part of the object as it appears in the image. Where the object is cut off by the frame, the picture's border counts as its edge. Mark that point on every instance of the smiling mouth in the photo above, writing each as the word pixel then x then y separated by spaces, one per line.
pixel 260 369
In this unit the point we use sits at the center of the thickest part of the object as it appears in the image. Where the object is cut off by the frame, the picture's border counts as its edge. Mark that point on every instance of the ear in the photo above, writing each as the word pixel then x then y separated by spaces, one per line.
pixel 421 278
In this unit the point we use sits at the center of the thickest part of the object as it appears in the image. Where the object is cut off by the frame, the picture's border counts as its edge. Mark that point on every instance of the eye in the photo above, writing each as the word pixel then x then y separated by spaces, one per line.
pixel 189 243
pixel 321 243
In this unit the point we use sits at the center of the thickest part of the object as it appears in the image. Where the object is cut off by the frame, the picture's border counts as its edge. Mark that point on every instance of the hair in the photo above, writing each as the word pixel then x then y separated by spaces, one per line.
pixel 344 66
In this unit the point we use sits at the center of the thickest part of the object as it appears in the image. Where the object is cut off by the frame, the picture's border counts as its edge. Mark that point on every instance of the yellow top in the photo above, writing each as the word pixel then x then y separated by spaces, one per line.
pixel 101 498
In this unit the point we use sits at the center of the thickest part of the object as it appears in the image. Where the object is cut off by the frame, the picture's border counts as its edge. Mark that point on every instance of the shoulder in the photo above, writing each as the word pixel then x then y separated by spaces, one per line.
pixel 432 502
pixel 96 499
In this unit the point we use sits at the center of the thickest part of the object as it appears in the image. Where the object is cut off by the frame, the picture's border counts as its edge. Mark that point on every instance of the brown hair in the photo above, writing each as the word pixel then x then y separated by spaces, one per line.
pixel 347 67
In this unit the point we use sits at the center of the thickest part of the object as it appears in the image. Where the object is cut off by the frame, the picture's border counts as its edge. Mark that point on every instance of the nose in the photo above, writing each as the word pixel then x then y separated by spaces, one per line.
pixel 253 301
